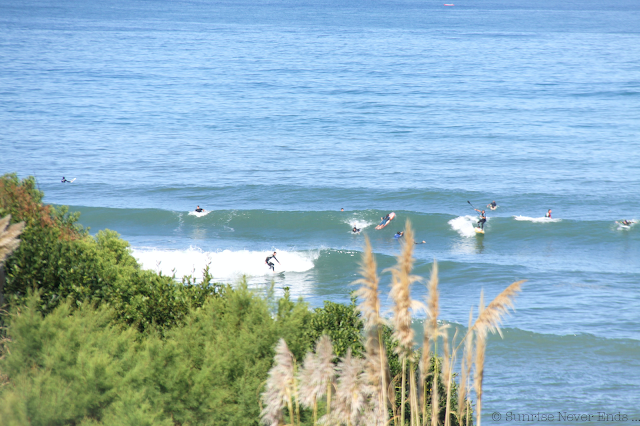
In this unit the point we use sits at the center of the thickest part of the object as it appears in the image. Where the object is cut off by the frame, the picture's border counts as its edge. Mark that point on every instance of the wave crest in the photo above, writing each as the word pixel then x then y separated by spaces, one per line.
pixel 224 264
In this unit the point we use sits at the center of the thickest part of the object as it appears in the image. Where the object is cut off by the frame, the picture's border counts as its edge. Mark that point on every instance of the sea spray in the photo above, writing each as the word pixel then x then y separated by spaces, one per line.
pixel 537 219
pixel 464 225
pixel 224 265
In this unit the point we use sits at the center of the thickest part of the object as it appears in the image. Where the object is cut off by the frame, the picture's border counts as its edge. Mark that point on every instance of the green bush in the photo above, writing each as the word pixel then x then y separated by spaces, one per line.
pixel 74 366
pixel 342 323
pixel 61 260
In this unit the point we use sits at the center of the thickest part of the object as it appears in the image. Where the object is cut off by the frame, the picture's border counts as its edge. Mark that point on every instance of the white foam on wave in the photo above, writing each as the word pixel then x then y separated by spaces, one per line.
pixel 227 264
pixel 537 219
pixel 358 223
pixel 622 227
pixel 199 214
pixel 464 225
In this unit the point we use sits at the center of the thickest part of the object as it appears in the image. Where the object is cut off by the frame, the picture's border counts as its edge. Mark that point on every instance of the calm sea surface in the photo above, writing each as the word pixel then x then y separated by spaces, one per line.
pixel 275 115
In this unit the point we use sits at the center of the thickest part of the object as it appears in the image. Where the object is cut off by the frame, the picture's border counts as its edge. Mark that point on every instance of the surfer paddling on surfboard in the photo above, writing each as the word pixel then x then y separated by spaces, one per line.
pixel 355 230
pixel 199 210
pixel 400 234
pixel 269 263
pixel 492 205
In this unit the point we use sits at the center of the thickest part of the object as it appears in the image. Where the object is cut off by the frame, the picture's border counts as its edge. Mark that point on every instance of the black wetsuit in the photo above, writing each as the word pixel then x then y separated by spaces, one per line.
pixel 199 210
pixel 64 180
pixel 482 220
pixel 493 204
pixel 270 264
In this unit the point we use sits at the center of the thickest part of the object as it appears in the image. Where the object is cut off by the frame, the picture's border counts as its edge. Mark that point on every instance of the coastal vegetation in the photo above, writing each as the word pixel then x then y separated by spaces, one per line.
pixel 90 338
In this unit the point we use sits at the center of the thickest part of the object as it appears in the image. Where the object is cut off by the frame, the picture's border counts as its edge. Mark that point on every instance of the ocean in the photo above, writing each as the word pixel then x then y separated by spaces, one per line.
pixel 274 116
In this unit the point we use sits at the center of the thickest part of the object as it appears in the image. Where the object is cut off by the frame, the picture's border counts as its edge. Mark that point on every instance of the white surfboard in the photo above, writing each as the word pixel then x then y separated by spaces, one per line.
pixel 199 214
pixel 479 231
pixel 623 226
pixel 71 181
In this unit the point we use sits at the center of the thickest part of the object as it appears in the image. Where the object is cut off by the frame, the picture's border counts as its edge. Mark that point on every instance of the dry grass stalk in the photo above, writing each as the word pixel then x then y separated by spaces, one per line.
pixel 435 398
pixel 481 344
pixel 377 370
pixel 465 369
pixel 491 317
pixel 431 330
pixel 279 387
pixel 430 333
pixel 447 377
pixel 401 295
pixel 9 237
pixel 413 396
pixel 368 290
pixel 376 358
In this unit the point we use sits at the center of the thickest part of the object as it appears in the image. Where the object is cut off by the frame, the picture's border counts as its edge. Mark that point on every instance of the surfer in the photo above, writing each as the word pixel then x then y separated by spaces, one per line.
pixel 64 180
pixel 482 220
pixel 492 205
pixel 385 219
pixel 269 263
pixel 423 242
pixel 626 222
pixel 548 214
pixel 355 230
pixel 199 210
pixel 399 234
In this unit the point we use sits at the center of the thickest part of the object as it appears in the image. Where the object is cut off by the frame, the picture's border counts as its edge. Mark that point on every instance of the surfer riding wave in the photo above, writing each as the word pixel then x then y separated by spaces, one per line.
pixel 269 263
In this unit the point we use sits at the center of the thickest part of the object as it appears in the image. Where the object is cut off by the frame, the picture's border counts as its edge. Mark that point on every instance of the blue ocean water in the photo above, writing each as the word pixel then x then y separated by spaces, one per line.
pixel 275 115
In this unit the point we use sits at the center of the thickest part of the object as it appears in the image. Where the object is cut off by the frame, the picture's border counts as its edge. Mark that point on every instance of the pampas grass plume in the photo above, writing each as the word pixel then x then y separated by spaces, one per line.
pixel 317 372
pixel 351 392
pixel 375 355
pixel 401 295
pixel 368 290
pixel 279 386
pixel 491 316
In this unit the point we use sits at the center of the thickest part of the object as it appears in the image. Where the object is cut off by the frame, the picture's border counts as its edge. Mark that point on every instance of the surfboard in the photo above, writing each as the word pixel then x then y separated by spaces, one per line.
pixel 71 181
pixel 491 207
pixel 479 231
pixel 199 214
pixel 385 223
pixel 622 225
